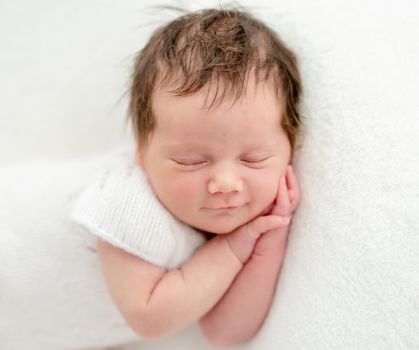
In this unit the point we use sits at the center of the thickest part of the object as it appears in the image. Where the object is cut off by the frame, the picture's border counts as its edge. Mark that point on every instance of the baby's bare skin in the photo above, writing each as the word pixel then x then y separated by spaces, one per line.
pixel 216 122
pixel 283 207
pixel 156 302
pixel 240 313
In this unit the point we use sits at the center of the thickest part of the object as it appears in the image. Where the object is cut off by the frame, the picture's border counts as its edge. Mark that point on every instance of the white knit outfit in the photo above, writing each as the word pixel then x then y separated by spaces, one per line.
pixel 53 295
pixel 120 207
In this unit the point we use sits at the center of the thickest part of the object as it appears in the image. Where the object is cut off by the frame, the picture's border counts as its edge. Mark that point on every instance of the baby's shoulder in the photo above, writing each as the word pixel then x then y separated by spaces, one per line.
pixel 119 206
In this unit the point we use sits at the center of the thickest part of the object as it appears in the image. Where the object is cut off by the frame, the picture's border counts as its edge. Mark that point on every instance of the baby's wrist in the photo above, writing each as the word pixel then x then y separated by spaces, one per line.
pixel 241 251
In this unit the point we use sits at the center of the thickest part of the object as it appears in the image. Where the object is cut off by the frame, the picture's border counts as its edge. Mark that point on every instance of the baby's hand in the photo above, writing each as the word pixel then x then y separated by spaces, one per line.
pixel 274 221
pixel 243 239
pixel 288 197
pixel 287 201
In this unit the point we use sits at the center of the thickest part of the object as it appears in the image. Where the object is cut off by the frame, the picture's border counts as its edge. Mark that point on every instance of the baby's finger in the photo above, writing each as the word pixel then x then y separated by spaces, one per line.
pixel 293 188
pixel 266 223
pixel 282 207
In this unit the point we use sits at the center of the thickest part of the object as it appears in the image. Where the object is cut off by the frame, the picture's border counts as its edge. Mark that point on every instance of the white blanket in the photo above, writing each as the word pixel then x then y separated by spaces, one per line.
pixel 350 278
pixel 50 280
pixel 52 295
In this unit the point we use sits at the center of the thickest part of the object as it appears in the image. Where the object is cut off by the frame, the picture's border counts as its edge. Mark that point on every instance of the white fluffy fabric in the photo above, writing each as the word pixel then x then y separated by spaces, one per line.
pixel 50 276
pixel 52 294
pixel 350 279
pixel 351 273
pixel 119 206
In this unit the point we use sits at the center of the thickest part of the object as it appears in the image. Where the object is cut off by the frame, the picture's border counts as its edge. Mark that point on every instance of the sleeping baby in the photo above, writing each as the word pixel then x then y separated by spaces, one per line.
pixel 214 111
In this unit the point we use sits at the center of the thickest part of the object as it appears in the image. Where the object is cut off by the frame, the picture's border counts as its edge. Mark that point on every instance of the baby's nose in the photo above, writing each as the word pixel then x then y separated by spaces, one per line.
pixel 225 182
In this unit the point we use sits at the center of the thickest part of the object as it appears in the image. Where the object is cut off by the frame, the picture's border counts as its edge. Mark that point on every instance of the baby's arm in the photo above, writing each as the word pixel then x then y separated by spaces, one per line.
pixel 242 310
pixel 156 302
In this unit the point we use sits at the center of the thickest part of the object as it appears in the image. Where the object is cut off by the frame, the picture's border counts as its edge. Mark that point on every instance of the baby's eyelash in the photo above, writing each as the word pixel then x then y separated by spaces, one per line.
pixel 197 162
pixel 255 160
pixel 189 163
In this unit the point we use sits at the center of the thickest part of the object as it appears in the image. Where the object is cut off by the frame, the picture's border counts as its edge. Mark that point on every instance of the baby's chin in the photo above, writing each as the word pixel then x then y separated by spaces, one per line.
pixel 221 227
pixel 223 224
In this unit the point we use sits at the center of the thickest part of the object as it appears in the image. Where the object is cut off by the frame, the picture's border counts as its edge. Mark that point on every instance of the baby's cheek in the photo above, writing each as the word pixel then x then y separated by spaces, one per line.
pixel 187 188
pixel 265 188
pixel 184 188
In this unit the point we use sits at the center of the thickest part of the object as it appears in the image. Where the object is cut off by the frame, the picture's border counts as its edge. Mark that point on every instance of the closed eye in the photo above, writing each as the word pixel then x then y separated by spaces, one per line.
pixel 189 162
pixel 255 160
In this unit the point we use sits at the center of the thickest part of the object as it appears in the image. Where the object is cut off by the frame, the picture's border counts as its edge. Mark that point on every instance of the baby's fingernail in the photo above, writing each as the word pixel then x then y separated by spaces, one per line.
pixel 285 221
pixel 280 220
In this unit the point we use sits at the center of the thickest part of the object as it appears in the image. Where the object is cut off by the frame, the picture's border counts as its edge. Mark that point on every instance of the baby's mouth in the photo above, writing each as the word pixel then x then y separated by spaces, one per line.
pixel 223 208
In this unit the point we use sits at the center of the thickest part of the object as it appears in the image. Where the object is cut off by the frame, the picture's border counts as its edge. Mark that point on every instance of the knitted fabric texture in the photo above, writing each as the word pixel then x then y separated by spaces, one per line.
pixel 120 207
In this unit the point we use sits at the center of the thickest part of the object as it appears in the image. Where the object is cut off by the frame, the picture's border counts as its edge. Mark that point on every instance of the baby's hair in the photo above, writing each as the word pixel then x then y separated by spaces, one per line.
pixel 212 46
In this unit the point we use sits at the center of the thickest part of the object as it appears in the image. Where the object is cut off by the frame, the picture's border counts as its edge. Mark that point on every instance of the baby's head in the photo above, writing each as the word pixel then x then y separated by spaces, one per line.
pixel 214 111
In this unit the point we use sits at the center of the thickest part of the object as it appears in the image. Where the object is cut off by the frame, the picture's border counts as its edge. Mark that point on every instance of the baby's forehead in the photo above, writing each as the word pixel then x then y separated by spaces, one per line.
pixel 203 144
pixel 190 118
pixel 189 128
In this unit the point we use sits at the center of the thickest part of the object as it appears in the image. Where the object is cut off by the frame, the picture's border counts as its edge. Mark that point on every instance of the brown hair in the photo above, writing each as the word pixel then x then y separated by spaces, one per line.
pixel 210 45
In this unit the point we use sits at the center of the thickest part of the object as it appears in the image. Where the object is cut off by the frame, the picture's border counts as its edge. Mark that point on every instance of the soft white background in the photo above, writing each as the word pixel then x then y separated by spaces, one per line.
pixel 64 68
pixel 351 275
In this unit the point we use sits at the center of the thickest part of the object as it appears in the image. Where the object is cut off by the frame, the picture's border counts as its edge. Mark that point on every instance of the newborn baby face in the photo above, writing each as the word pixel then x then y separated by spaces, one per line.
pixel 216 169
